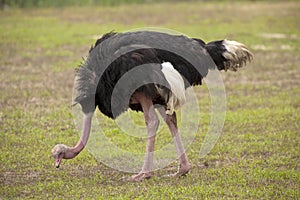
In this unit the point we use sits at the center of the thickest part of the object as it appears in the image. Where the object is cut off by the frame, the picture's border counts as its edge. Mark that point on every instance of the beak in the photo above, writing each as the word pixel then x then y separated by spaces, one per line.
pixel 57 162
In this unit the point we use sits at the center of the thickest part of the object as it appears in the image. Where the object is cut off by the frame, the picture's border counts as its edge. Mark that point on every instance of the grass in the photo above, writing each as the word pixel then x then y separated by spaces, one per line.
pixel 256 157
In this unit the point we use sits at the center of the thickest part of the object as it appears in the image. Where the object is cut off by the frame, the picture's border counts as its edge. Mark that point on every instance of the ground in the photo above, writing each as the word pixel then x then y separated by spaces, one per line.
pixel 257 155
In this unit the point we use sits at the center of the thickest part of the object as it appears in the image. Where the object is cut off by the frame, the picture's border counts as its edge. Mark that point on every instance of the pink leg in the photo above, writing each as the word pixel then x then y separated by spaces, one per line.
pixel 171 121
pixel 152 123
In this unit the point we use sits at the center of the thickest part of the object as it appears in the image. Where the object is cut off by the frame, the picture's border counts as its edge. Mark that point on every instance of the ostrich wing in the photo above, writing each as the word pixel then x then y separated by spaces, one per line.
pixel 188 57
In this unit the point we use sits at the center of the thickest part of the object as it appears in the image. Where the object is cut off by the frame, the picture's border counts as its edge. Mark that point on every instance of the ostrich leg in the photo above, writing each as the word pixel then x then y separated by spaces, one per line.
pixel 171 121
pixel 152 123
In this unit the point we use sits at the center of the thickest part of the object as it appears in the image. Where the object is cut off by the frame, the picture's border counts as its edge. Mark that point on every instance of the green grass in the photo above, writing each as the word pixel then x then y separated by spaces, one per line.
pixel 256 157
pixel 49 3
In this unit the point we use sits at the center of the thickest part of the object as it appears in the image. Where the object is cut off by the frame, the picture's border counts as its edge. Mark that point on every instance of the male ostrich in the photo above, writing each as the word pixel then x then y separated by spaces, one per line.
pixel 170 65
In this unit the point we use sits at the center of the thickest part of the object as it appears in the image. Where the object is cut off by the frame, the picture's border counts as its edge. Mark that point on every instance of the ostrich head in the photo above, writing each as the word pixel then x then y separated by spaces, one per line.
pixel 59 152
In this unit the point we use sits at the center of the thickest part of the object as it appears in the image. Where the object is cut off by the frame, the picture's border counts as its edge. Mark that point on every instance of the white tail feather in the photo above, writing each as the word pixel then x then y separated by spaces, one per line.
pixel 237 55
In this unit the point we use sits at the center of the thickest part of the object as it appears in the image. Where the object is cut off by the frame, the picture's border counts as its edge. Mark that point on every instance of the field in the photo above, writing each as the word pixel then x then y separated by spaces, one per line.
pixel 257 155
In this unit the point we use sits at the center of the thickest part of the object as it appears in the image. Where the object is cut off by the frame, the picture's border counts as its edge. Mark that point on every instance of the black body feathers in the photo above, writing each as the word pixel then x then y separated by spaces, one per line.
pixel 116 56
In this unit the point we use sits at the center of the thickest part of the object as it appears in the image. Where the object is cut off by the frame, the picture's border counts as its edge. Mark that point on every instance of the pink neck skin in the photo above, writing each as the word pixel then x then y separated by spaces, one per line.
pixel 74 151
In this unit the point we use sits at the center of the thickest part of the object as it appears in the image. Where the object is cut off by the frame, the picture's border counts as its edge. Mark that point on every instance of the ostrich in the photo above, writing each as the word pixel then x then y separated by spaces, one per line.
pixel 171 63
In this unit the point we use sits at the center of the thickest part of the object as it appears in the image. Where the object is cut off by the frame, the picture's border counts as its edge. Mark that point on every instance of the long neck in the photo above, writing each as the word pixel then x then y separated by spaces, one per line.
pixel 86 129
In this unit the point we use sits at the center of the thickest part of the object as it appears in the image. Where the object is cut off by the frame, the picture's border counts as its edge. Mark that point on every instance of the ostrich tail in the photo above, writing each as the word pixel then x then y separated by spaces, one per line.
pixel 237 55
pixel 229 55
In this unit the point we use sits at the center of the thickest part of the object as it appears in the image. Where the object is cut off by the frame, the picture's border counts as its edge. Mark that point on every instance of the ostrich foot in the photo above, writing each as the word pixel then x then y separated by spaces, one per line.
pixel 140 176
pixel 182 171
